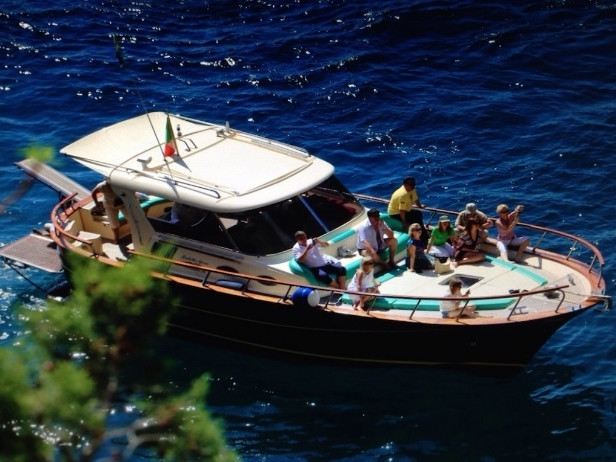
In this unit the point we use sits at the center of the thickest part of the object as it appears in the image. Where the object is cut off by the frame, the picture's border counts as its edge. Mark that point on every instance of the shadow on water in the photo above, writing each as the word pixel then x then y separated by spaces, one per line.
pixel 273 407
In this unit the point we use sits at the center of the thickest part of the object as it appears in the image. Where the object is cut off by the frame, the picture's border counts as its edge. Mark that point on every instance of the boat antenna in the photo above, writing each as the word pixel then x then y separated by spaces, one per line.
pixel 120 56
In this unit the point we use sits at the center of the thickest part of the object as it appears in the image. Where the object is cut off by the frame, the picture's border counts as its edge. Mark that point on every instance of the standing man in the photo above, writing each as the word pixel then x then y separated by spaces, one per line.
pixel 374 237
pixel 471 212
pixel 401 206
pixel 306 251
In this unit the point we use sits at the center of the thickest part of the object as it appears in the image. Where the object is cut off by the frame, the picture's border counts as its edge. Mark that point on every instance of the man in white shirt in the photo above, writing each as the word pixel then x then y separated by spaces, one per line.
pixel 374 237
pixel 306 251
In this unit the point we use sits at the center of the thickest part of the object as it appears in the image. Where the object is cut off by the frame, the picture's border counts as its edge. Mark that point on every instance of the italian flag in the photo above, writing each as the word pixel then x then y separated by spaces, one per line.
pixel 171 146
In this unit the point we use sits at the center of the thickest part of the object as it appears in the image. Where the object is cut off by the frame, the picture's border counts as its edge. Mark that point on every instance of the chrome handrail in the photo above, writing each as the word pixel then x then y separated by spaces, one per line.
pixel 597 257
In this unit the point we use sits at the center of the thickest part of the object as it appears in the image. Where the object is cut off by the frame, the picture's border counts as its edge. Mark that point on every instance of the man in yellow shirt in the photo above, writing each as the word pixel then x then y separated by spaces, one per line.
pixel 401 206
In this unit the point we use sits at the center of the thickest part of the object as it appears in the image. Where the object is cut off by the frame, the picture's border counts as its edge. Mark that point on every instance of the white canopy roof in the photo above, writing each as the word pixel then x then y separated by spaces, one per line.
pixel 217 168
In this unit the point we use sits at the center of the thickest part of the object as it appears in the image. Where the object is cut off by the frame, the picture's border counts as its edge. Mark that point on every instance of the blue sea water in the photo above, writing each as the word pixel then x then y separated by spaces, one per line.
pixel 488 102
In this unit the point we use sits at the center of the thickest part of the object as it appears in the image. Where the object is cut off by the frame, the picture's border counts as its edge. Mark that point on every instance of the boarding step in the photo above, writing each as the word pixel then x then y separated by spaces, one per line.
pixel 34 250
pixel 52 178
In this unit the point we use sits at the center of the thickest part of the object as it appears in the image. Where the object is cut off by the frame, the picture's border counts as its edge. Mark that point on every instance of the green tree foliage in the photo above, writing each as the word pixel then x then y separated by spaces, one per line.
pixel 59 382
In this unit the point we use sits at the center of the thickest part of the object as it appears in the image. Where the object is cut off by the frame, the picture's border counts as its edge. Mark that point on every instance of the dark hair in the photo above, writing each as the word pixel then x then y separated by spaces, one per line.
pixel 409 180
pixel 374 213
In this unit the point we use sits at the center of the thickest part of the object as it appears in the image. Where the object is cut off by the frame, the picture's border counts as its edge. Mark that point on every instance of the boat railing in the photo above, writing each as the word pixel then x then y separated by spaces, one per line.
pixel 64 209
pixel 574 245
pixel 245 284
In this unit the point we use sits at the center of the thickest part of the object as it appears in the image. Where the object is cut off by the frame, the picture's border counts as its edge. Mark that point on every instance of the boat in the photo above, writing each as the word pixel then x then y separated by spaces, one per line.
pixel 233 269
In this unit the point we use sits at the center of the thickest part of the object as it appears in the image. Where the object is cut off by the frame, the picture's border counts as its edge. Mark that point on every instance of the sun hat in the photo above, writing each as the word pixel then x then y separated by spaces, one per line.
pixel 443 219
pixel 471 207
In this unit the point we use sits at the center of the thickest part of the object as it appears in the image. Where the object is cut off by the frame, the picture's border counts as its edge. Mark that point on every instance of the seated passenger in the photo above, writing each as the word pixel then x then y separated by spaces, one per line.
pixel 506 235
pixel 466 249
pixel 403 206
pixel 363 281
pixel 306 251
pixel 417 260
pixel 451 308
pixel 471 213
pixel 441 234
pixel 374 236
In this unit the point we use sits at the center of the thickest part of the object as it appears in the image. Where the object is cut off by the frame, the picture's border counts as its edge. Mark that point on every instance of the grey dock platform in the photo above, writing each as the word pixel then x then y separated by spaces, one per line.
pixel 34 250
pixel 49 176
pixel 37 249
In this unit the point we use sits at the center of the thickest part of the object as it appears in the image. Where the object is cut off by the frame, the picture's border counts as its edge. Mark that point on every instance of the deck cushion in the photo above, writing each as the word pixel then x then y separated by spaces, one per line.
pixel 517 268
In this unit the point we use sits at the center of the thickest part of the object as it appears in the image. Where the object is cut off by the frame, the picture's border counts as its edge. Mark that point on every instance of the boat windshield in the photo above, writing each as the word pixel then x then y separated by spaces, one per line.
pixel 270 229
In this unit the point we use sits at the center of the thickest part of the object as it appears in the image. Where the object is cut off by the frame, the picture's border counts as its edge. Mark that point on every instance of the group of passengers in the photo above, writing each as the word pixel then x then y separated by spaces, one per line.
pixel 462 242
pixel 377 243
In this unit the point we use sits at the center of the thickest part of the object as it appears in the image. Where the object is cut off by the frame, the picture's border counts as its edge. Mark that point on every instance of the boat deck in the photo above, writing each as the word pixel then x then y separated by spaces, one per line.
pixel 33 250
pixel 491 278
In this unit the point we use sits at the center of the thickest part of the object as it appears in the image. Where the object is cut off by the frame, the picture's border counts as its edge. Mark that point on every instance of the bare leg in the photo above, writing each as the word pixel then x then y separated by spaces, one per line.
pixel 392 244
pixel 472 257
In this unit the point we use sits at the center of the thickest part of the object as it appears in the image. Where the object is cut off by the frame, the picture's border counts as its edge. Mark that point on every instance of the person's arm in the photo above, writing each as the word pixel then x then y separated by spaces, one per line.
pixel 516 215
pixel 453 237
pixel 363 239
pixel 367 245
pixel 460 223
pixel 487 223
pixel 386 230
pixel 412 250
pixel 417 202
pixel 95 192
pixel 513 219
pixel 301 257
pixel 318 241
pixel 430 242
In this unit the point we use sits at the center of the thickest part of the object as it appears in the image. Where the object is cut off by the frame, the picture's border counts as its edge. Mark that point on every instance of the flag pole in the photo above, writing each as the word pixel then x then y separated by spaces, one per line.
pixel 120 57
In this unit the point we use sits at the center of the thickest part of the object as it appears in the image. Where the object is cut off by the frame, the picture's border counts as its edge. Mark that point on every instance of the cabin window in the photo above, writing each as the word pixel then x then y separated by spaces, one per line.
pixel 193 223
pixel 268 230
pixel 332 203
pixel 272 229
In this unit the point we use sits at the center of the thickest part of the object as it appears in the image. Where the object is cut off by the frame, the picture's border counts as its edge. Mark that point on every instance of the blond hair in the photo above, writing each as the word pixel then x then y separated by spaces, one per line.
pixel 502 208
pixel 414 227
